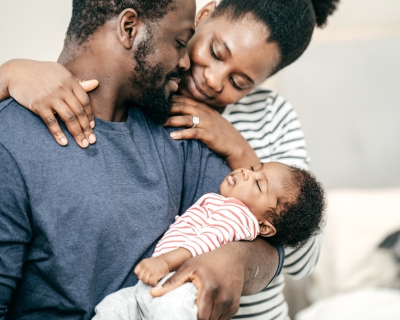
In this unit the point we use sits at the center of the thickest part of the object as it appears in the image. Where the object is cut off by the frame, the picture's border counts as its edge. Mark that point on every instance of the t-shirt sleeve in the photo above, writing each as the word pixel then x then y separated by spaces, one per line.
pixel 15 230
pixel 203 173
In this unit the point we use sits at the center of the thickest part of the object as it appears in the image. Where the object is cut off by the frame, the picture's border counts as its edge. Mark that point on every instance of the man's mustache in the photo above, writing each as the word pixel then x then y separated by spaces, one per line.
pixel 175 75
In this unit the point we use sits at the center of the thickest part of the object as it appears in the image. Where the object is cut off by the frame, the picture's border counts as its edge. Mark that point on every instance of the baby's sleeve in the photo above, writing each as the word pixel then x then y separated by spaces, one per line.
pixel 230 222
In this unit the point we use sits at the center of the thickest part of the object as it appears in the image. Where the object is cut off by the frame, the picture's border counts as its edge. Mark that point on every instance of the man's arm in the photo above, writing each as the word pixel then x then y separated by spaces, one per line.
pixel 15 231
pixel 223 275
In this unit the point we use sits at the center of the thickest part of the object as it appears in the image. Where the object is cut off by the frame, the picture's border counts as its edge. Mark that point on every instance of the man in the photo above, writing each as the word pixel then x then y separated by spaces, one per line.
pixel 74 222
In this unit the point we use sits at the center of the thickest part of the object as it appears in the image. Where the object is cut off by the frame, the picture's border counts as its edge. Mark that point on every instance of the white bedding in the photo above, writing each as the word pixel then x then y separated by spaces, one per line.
pixel 363 304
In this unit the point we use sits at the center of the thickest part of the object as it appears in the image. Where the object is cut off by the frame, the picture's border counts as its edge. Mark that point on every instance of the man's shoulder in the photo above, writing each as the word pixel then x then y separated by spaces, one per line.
pixel 18 124
pixel 5 103
pixel 11 110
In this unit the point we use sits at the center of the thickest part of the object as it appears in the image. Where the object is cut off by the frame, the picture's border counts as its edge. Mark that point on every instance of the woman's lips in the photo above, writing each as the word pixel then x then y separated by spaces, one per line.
pixel 194 90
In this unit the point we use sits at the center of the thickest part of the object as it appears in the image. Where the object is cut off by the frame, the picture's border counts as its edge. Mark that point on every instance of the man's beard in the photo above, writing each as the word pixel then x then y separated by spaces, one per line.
pixel 153 102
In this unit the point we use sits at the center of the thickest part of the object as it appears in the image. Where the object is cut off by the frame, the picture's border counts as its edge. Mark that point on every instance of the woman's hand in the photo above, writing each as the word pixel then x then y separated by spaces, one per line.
pixel 47 89
pixel 213 130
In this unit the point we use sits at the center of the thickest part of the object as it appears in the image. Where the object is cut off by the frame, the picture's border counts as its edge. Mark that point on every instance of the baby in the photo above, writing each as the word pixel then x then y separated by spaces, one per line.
pixel 273 200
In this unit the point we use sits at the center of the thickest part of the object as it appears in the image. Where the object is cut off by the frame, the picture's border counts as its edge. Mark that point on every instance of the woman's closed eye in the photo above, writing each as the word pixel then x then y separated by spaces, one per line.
pixel 213 51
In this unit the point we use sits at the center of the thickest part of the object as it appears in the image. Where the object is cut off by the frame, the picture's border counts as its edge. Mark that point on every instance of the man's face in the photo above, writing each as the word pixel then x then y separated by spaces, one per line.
pixel 161 57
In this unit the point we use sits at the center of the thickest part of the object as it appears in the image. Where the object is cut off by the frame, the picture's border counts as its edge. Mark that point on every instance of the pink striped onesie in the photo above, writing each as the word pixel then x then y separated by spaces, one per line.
pixel 211 222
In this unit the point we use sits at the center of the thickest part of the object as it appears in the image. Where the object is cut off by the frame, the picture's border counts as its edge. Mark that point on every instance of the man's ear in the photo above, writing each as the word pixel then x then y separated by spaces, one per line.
pixel 205 12
pixel 127 27
pixel 266 229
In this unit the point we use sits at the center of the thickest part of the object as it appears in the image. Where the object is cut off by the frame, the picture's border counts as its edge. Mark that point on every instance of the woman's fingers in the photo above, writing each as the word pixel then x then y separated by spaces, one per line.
pixel 80 118
pixel 51 122
pixel 88 85
pixel 80 92
pixel 193 133
pixel 71 121
pixel 180 121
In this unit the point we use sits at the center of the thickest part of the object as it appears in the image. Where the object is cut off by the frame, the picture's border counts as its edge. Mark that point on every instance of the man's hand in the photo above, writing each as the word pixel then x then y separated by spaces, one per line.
pixel 223 275
pixel 152 270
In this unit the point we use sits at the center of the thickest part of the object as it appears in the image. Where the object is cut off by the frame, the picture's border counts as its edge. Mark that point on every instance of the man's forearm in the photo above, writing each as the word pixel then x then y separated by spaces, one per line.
pixel 259 261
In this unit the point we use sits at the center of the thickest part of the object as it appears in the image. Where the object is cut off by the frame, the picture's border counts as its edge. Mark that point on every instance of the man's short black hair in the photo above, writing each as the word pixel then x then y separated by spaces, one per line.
pixel 302 217
pixel 290 22
pixel 89 15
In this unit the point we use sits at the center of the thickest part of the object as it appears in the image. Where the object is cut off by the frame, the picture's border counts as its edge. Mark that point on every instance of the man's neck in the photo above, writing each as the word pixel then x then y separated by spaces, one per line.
pixel 108 101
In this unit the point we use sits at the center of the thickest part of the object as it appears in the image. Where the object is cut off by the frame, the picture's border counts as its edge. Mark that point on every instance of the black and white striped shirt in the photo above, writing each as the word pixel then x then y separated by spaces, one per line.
pixel 272 128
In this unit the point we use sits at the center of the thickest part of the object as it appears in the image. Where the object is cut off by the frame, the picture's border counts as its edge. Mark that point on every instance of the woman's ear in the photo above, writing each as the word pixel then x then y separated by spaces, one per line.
pixel 127 28
pixel 266 229
pixel 205 12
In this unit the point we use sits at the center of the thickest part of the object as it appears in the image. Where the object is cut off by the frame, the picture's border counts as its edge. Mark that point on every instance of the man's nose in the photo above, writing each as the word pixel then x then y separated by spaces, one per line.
pixel 213 79
pixel 184 61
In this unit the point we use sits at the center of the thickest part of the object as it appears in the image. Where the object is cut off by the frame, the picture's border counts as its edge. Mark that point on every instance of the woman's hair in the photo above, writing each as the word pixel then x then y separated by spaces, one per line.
pixel 301 217
pixel 290 22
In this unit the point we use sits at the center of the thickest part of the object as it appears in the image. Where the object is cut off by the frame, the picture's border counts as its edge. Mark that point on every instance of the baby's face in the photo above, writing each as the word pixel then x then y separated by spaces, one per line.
pixel 259 187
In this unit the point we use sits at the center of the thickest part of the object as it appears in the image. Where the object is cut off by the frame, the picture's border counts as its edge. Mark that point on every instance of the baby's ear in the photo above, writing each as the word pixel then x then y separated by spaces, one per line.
pixel 266 229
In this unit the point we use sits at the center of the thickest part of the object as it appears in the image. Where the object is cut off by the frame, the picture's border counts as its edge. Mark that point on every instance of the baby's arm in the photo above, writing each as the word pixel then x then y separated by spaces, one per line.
pixel 152 270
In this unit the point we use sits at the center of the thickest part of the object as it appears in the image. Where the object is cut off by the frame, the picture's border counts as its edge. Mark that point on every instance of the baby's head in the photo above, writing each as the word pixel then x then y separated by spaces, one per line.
pixel 288 202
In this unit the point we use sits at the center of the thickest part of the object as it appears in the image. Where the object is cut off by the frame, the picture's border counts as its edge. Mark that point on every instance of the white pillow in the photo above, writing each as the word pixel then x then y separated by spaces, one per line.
pixel 357 222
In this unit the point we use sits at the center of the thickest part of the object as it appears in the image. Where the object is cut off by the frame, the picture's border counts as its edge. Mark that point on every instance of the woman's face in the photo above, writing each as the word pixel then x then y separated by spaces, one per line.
pixel 228 59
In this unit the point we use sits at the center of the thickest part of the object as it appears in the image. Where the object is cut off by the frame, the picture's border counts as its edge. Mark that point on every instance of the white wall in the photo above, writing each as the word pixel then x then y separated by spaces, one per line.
pixel 346 91
pixel 33 28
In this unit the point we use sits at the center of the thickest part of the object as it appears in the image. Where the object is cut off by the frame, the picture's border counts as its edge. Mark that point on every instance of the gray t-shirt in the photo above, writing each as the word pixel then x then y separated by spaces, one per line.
pixel 74 222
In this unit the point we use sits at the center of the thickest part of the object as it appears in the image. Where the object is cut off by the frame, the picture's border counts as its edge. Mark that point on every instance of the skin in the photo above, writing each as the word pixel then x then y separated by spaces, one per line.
pixel 220 285
pixel 259 188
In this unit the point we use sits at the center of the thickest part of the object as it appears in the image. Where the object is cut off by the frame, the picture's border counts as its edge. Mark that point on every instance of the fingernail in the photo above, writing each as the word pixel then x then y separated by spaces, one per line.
pixel 92 124
pixel 85 143
pixel 92 138
pixel 173 134
pixel 63 141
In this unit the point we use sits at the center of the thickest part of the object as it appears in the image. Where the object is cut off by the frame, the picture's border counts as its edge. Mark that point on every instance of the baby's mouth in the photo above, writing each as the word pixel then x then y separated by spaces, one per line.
pixel 231 180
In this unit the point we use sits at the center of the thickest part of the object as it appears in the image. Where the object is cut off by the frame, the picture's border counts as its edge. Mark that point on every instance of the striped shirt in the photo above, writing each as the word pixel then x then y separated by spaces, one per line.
pixel 273 130
pixel 211 222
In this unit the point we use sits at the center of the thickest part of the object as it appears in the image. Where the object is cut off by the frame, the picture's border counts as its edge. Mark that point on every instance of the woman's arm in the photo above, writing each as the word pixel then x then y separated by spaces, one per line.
pixel 213 130
pixel 47 89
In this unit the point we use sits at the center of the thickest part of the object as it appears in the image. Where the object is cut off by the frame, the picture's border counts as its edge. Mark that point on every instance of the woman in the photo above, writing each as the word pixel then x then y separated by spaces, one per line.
pixel 237 45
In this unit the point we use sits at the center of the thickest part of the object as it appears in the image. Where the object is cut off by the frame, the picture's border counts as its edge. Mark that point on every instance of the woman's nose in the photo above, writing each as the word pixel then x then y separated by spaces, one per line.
pixel 213 79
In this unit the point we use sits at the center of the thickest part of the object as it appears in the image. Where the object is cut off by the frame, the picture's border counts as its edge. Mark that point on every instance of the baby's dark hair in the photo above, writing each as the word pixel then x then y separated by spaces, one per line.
pixel 89 15
pixel 290 22
pixel 303 216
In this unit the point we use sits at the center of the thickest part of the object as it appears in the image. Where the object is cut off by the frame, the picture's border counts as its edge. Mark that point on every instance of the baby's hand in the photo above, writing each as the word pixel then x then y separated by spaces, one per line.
pixel 152 270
